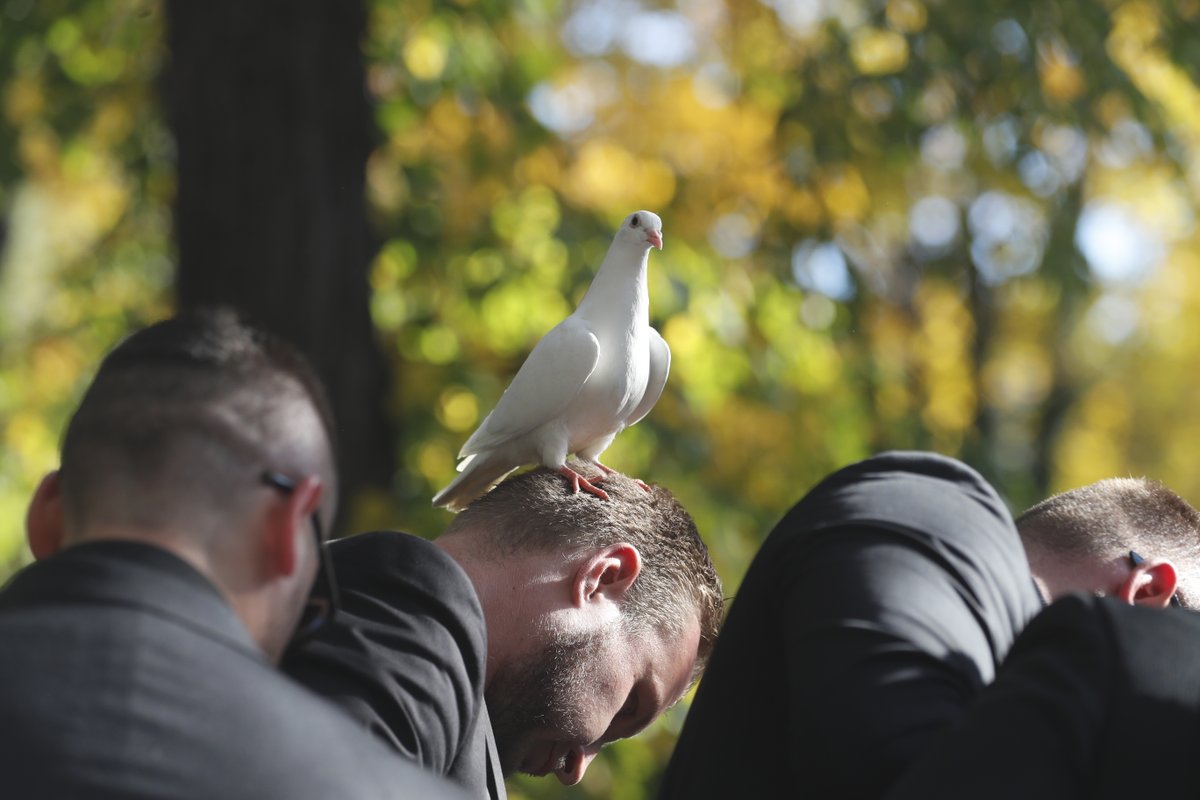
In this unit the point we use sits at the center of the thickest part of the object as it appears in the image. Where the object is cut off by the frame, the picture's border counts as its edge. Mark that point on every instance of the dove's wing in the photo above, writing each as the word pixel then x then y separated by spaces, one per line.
pixel 660 365
pixel 544 386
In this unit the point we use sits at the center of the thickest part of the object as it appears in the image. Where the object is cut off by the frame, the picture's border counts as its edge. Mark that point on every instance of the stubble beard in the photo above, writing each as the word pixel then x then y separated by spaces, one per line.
pixel 542 692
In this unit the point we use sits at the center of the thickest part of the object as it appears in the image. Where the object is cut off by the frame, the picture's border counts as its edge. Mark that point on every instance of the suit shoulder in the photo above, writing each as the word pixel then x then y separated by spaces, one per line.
pixel 392 564
pixel 938 505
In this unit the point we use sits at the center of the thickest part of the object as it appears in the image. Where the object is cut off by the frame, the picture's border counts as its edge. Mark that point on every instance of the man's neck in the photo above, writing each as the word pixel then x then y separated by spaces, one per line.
pixel 517 594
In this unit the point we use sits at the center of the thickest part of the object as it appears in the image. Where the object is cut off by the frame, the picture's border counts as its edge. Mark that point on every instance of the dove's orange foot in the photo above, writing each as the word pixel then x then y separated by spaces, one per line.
pixel 606 471
pixel 579 482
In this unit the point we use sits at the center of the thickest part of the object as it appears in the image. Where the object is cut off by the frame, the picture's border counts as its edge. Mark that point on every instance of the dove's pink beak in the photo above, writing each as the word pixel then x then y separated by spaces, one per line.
pixel 654 238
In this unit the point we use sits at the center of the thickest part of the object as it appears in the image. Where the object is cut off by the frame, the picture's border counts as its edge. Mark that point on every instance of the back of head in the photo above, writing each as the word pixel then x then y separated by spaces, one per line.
pixel 1103 521
pixel 536 511
pixel 181 420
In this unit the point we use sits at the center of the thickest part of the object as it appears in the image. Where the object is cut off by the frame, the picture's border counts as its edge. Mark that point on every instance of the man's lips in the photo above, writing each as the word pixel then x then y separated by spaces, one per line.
pixel 569 761
pixel 561 760
pixel 552 762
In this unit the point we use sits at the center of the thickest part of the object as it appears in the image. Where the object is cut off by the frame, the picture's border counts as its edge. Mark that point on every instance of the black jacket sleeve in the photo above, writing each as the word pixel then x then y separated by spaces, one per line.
pixel 407 656
pixel 882 653
pixel 1033 733
pixel 1097 700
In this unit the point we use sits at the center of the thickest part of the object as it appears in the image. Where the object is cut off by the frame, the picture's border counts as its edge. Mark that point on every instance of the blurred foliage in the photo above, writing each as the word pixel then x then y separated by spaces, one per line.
pixel 85 188
pixel 963 227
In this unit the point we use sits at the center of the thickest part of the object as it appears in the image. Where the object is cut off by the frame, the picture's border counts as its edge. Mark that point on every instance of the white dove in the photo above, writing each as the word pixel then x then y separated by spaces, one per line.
pixel 594 374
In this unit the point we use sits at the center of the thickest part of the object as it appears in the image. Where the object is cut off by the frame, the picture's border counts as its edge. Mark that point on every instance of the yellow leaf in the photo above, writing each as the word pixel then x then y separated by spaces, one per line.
pixel 907 16
pixel 878 52
pixel 425 56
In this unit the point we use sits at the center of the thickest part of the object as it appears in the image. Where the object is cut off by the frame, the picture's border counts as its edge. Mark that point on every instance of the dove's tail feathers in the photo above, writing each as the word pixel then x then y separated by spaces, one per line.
pixel 476 476
pixel 472 446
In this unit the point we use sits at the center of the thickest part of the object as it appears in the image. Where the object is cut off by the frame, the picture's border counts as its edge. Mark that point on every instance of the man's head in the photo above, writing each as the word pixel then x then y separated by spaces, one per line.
pixel 1081 541
pixel 600 613
pixel 170 445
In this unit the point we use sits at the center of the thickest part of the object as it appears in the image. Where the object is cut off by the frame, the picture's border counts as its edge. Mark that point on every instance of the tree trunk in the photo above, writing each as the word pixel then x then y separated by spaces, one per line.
pixel 268 104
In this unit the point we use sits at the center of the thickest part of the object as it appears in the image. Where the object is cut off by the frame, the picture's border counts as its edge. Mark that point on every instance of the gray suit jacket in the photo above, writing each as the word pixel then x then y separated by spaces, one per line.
pixel 124 674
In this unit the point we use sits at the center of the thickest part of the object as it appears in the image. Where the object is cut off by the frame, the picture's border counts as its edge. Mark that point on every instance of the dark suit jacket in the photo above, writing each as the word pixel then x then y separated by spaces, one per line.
pixel 1097 699
pixel 875 611
pixel 408 657
pixel 124 674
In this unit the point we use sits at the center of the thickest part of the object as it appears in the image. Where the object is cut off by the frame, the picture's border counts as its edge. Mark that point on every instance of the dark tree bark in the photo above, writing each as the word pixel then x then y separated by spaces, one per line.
pixel 1065 265
pixel 268 104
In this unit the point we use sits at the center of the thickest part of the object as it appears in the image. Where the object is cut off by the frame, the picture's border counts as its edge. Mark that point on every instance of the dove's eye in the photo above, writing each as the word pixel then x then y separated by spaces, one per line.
pixel 633 223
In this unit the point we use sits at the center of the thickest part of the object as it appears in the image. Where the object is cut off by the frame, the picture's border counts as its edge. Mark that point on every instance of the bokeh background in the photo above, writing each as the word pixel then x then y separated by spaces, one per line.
pixel 967 227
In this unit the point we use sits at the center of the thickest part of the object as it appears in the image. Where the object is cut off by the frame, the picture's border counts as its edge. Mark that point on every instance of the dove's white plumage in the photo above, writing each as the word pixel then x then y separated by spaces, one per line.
pixel 596 373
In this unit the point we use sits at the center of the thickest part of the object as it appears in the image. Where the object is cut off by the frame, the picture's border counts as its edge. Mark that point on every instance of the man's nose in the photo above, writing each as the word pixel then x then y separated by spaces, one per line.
pixel 575 764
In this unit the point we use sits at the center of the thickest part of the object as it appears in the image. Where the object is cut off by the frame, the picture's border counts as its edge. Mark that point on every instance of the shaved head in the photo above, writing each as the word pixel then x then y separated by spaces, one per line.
pixel 1103 521
pixel 182 416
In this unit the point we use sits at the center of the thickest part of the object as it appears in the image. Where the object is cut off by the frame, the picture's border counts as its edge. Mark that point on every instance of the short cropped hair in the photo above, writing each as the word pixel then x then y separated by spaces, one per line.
pixel 537 510
pixel 183 414
pixel 1107 519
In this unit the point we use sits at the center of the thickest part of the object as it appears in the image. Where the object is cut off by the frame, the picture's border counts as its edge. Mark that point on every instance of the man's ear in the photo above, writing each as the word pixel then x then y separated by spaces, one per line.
pixel 286 521
pixel 45 521
pixel 1151 583
pixel 606 574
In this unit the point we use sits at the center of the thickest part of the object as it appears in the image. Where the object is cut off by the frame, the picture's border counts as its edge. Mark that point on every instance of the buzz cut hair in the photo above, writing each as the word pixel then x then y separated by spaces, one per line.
pixel 1107 519
pixel 183 413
